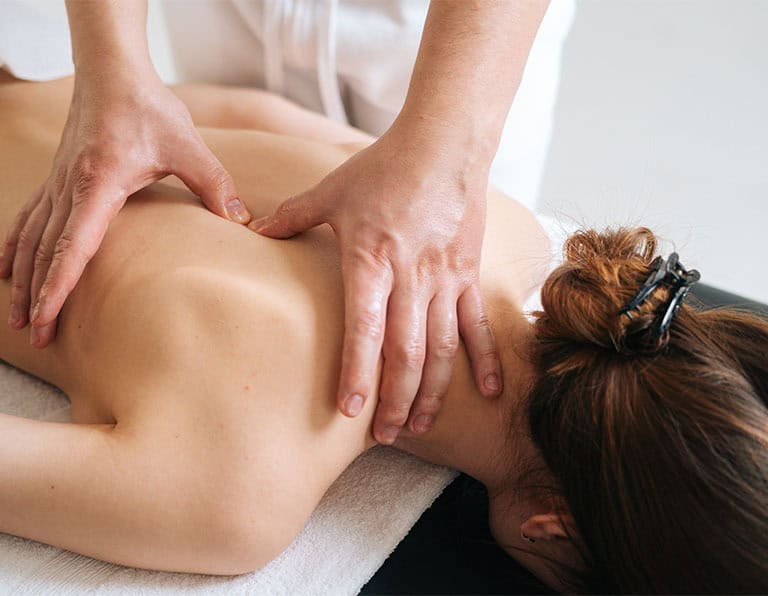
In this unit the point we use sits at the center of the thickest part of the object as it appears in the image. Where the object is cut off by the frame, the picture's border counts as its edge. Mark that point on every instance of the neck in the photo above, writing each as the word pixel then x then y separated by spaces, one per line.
pixel 474 434
pixel 489 440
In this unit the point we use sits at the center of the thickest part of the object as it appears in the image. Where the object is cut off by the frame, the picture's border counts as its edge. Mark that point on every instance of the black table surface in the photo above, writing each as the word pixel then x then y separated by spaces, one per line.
pixel 450 549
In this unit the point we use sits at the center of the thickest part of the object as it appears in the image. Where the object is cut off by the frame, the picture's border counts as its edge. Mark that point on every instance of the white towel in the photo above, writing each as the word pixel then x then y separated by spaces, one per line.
pixel 359 522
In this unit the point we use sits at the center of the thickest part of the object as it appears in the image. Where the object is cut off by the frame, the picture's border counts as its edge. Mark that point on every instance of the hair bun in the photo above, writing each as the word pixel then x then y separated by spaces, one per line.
pixel 582 299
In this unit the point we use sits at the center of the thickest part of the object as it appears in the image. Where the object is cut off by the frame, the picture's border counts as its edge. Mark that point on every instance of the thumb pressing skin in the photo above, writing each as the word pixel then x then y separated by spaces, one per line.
pixel 293 216
pixel 204 175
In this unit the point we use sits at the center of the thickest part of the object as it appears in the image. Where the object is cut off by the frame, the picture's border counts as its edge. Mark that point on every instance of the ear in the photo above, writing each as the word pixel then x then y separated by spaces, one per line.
pixel 548 526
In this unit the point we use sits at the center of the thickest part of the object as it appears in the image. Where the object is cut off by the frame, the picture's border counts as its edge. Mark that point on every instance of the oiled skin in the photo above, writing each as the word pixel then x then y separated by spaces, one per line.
pixel 202 357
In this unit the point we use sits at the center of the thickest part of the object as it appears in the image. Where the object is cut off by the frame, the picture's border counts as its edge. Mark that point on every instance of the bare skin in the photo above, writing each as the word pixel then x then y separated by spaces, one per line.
pixel 202 359
pixel 409 233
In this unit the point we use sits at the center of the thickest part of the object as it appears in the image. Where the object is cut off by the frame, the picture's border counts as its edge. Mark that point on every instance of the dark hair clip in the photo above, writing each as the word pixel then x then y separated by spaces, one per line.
pixel 669 272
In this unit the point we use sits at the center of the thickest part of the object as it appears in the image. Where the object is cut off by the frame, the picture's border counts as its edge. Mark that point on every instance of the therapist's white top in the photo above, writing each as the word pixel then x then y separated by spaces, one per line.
pixel 349 59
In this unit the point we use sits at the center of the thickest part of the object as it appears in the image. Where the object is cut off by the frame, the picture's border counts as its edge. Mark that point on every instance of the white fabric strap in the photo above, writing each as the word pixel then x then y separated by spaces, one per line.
pixel 327 76
pixel 272 26
pixel 302 31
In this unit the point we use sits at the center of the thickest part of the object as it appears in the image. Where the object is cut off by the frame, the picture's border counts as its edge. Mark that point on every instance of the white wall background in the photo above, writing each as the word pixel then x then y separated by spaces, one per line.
pixel 662 119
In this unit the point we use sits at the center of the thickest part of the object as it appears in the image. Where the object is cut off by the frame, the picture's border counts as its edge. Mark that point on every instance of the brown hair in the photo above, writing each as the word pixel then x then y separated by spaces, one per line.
pixel 658 445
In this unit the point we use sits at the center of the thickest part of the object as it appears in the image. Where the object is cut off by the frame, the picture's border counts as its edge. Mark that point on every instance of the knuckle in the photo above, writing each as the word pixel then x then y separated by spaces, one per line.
pixel 284 209
pixel 87 177
pixel 69 245
pixel 65 243
pixel 85 165
pixel 396 412
pixel 430 402
pixel 58 181
pixel 19 290
pixel 489 354
pixel 220 179
pixel 376 258
pixel 27 241
pixel 368 323
pixel 42 256
pixel 379 256
pixel 409 355
pixel 82 189
pixel 430 263
pixel 209 166
pixel 481 321
pixel 445 346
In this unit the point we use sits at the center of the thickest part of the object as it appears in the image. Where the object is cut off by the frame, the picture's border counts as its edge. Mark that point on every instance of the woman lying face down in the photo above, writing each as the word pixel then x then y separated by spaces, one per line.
pixel 201 362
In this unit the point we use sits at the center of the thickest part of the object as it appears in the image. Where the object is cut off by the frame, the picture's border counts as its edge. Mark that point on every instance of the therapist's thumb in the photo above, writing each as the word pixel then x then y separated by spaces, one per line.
pixel 293 216
pixel 207 178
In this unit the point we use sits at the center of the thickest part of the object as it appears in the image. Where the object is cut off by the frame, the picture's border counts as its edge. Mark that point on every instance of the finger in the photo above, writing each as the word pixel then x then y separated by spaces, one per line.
pixel 45 248
pixel 442 344
pixel 404 351
pixel 9 248
pixel 366 292
pixel 39 337
pixel 23 264
pixel 478 337
pixel 293 216
pixel 204 175
pixel 80 238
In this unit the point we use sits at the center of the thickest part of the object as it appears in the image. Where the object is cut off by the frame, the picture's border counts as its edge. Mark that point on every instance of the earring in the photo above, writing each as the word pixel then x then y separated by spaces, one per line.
pixel 527 538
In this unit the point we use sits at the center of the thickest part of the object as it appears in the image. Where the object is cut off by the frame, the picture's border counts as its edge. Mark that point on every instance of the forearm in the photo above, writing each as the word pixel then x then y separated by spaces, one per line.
pixel 469 66
pixel 109 37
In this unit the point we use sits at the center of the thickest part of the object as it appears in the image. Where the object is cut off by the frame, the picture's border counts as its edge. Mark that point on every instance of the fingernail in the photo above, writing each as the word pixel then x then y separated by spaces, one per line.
pixel 257 224
pixel 34 336
pixel 14 315
pixel 492 382
pixel 236 211
pixel 35 312
pixel 388 435
pixel 353 405
pixel 422 423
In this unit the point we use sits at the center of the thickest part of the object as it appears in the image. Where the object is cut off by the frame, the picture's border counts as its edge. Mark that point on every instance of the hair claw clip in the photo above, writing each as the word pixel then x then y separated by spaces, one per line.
pixel 669 272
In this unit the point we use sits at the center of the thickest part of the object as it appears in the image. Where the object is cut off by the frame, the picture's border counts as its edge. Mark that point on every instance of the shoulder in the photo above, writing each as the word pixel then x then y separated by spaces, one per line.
pixel 516 250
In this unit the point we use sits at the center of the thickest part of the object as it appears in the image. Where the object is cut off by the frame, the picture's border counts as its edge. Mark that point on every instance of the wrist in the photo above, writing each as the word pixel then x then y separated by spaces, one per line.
pixel 114 78
pixel 464 142
pixel 113 66
pixel 108 38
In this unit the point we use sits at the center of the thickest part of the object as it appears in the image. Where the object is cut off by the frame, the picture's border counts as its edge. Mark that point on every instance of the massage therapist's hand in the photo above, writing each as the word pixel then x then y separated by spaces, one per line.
pixel 124 131
pixel 409 213
pixel 121 135
pixel 409 216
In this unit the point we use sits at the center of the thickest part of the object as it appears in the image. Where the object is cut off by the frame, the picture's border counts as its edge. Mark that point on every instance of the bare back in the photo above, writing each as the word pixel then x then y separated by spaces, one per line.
pixel 225 343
